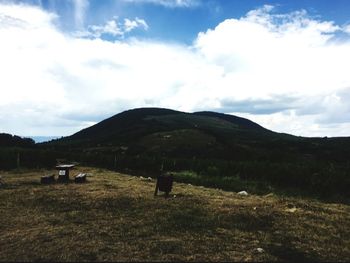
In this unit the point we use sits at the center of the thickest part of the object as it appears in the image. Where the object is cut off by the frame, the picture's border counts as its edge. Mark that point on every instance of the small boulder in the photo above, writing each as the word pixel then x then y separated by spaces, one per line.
pixel 243 193
pixel 147 179
pixel 260 250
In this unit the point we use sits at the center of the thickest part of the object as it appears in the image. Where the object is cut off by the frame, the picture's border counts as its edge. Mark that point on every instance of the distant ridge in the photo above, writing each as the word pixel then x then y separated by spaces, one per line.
pixel 40 139
pixel 9 140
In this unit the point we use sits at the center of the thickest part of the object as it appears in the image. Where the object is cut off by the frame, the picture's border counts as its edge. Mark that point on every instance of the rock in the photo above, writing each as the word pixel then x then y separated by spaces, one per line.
pixel 242 193
pixel 260 250
pixel 291 210
pixel 148 179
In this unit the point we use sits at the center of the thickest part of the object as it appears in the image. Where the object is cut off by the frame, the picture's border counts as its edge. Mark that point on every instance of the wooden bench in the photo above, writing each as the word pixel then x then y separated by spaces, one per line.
pixel 80 178
pixel 47 179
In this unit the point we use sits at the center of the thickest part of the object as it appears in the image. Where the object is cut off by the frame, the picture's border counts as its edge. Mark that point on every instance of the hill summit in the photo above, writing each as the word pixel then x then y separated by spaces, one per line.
pixel 133 125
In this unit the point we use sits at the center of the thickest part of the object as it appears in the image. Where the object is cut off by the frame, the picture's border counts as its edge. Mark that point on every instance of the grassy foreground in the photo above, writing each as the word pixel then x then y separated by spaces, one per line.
pixel 115 217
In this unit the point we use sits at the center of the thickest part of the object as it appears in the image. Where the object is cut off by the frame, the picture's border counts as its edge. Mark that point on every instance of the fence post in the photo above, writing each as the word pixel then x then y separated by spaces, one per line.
pixel 18 160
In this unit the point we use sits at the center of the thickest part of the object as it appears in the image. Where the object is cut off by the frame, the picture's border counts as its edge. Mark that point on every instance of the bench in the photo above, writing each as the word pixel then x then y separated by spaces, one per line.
pixel 80 178
pixel 47 179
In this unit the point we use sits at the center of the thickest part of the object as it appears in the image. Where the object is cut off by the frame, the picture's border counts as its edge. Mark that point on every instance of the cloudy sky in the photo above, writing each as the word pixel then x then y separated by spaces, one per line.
pixel 68 64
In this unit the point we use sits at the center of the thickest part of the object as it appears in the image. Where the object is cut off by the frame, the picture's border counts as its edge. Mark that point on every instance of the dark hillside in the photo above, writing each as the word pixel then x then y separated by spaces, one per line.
pixel 240 122
pixel 8 140
pixel 120 122
pixel 132 125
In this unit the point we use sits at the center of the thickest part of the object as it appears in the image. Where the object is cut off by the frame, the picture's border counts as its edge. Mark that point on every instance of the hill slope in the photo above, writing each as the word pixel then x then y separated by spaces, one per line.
pixel 8 140
pixel 114 217
pixel 131 125
pixel 173 133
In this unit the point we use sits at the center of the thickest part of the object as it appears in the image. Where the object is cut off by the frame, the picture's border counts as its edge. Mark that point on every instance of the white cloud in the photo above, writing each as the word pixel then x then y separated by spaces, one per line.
pixel 168 3
pixel 113 28
pixel 282 71
pixel 132 24
pixel 346 29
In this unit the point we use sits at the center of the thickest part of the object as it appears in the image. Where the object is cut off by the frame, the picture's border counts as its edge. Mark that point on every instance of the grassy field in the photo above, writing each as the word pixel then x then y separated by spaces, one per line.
pixel 115 217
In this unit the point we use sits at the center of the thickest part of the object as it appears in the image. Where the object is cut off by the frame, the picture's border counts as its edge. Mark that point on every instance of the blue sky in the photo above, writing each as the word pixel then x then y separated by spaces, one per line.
pixel 69 64
pixel 182 22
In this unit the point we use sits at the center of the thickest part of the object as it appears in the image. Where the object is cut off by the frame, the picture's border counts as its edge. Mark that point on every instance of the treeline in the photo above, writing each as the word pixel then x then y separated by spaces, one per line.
pixel 15 157
pixel 324 179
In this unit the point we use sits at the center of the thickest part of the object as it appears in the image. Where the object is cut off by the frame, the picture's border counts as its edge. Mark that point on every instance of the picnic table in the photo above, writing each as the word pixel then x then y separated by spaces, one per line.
pixel 63 171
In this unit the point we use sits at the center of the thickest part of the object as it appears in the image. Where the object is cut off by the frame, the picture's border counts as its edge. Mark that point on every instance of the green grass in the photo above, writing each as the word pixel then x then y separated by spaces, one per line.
pixel 115 217
pixel 231 183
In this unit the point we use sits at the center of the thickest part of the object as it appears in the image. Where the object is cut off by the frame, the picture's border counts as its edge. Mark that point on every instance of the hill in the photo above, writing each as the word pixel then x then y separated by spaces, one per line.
pixel 217 150
pixel 115 217
pixel 8 140
pixel 173 134
pixel 132 125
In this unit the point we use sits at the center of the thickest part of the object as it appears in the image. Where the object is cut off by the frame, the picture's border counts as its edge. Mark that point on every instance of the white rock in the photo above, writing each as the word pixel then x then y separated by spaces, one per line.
pixel 146 179
pixel 260 250
pixel 242 193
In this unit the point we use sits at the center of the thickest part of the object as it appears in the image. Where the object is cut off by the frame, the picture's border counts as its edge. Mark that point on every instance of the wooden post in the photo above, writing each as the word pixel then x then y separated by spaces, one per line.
pixel 157 186
pixel 18 160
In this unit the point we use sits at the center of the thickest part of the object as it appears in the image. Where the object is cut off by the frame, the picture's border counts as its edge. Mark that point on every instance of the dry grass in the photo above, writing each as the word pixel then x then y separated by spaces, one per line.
pixel 114 217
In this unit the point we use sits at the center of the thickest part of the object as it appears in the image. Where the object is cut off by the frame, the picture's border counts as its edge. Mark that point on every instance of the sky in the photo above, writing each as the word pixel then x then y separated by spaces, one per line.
pixel 68 64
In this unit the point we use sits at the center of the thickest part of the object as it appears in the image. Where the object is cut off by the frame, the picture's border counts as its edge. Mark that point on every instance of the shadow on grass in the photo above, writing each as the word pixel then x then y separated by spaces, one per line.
pixel 286 252
pixel 247 222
